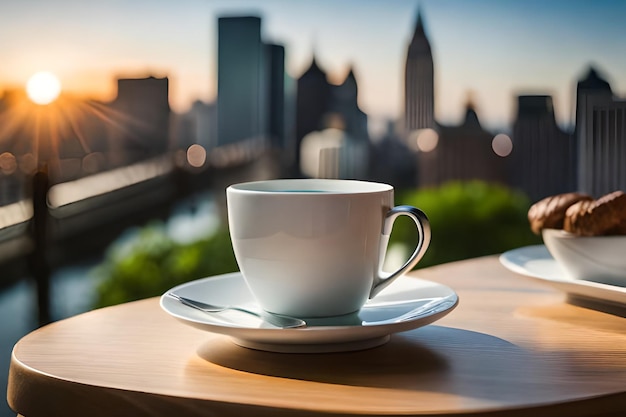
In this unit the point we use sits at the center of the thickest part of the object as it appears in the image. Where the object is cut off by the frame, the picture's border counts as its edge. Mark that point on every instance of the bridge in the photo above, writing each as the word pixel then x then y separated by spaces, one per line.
pixel 64 223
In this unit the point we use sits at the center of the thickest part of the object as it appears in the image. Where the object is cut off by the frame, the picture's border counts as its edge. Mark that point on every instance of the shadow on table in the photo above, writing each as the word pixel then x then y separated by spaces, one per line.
pixel 614 309
pixel 398 357
pixel 432 358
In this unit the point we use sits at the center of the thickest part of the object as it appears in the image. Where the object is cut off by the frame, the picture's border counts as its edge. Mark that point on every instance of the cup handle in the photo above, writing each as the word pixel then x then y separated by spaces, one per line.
pixel 383 279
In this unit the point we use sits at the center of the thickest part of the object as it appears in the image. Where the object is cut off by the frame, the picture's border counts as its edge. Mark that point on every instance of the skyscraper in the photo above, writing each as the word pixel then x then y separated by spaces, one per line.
pixel 419 85
pixel 543 155
pixel 276 100
pixel 242 80
pixel 601 136
pixel 144 103
pixel 282 112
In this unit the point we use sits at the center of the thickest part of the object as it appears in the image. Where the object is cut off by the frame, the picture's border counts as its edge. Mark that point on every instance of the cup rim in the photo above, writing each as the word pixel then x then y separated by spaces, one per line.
pixel 308 186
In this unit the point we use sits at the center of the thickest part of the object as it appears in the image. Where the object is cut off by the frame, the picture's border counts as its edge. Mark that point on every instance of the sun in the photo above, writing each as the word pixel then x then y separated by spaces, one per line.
pixel 43 87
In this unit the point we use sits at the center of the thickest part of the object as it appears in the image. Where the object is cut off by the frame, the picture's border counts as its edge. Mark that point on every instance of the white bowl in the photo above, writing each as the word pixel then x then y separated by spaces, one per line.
pixel 594 258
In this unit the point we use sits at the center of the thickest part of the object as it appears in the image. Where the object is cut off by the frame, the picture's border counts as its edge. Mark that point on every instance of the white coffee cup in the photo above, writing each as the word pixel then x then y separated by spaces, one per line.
pixel 316 247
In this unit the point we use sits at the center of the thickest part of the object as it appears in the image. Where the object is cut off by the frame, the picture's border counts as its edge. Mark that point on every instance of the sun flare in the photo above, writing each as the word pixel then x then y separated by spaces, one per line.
pixel 43 87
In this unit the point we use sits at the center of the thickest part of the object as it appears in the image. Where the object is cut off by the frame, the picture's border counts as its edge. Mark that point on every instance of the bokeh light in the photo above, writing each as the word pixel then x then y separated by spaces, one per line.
pixel 196 155
pixel 502 145
pixel 427 140
pixel 28 163
pixel 8 163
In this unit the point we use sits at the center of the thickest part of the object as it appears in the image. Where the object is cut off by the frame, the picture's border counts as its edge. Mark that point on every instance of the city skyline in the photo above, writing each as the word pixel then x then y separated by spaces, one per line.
pixel 488 50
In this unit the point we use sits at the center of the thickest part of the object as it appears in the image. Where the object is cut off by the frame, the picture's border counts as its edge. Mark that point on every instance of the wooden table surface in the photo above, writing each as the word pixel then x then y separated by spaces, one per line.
pixel 513 347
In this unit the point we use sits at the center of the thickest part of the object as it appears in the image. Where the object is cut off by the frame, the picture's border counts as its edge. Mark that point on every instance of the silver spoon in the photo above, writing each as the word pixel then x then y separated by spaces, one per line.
pixel 276 320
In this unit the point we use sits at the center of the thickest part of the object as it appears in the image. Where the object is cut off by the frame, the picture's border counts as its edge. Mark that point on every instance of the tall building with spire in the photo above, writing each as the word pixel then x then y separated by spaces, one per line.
pixel 443 153
pixel 419 85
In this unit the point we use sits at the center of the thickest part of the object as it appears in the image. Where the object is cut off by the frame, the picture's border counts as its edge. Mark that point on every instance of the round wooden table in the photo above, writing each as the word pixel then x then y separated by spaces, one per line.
pixel 513 347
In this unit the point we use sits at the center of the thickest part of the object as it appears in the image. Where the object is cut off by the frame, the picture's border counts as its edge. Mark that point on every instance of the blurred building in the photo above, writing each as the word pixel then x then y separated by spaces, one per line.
pixel 141 112
pixel 197 126
pixel 461 152
pixel 333 153
pixel 242 80
pixel 252 89
pixel 312 102
pixel 392 161
pixel 317 100
pixel 17 121
pixel 81 137
pixel 276 72
pixel 14 149
pixel 601 136
pixel 323 110
pixel 543 156
pixel 419 85
pixel 344 102
pixel 282 112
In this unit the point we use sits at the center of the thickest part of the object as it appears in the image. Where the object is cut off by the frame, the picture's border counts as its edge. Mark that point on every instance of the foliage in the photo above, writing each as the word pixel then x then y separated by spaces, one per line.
pixel 468 219
pixel 152 262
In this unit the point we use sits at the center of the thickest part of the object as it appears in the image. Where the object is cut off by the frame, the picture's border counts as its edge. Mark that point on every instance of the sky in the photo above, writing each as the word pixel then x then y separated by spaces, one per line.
pixel 489 50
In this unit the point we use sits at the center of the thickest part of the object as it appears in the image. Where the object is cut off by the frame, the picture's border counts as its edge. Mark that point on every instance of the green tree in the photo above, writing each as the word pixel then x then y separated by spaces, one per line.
pixel 151 263
pixel 468 219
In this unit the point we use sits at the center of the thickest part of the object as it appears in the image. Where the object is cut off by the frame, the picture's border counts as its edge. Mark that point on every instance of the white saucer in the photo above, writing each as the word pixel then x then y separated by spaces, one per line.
pixel 400 307
pixel 535 261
